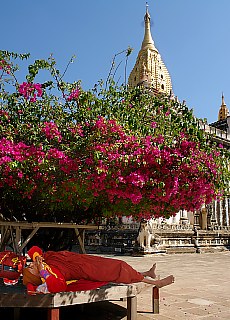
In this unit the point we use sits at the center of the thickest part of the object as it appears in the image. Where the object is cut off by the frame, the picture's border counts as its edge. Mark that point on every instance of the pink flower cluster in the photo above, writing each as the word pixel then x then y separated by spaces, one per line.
pixel 22 167
pixel 30 91
pixel 77 130
pixel 13 168
pixel 51 131
pixel 150 178
pixel 141 176
pixel 153 125
pixel 74 95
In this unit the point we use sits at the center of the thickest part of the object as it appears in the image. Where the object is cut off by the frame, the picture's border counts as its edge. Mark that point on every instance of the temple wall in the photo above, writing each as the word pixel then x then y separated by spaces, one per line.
pixel 205 230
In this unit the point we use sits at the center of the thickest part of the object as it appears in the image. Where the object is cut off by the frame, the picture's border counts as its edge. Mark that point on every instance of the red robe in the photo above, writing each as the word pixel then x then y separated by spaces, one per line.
pixel 90 271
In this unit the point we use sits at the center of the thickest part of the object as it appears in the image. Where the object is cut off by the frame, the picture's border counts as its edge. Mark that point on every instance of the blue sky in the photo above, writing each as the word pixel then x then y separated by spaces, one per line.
pixel 192 37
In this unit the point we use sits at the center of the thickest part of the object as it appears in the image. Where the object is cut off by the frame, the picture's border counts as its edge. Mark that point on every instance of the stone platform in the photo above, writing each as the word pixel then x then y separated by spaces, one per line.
pixel 201 289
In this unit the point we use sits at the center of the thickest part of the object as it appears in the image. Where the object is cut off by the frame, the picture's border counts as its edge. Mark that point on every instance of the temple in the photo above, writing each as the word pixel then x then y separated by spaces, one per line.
pixel 207 229
pixel 149 69
pixel 223 117
pixel 204 230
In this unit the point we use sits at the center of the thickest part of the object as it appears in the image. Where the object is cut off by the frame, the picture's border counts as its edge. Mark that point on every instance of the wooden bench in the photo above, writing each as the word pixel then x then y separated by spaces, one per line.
pixel 16 297
pixel 11 232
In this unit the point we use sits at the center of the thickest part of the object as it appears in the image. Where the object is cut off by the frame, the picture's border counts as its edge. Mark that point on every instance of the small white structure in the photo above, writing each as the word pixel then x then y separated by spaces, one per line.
pixel 147 239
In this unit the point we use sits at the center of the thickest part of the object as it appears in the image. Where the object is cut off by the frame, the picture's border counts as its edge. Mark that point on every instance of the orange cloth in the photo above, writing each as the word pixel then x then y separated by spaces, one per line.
pixel 94 268
pixel 90 271
pixel 28 277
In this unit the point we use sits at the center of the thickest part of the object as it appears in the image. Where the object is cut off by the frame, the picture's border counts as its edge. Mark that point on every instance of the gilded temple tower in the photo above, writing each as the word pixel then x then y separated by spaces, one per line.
pixel 223 112
pixel 149 68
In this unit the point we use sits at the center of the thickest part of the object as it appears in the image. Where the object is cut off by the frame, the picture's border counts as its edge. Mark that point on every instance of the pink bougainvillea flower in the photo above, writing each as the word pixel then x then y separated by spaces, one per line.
pixel 74 95
pixel 51 131
pixel 30 91
pixel 153 125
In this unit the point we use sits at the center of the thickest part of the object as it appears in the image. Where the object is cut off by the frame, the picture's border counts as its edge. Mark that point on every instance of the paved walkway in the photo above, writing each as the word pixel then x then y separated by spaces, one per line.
pixel 201 289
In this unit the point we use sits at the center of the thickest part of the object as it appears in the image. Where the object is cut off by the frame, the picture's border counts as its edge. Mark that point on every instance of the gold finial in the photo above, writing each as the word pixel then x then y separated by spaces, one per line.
pixel 148 40
pixel 223 102
pixel 147 15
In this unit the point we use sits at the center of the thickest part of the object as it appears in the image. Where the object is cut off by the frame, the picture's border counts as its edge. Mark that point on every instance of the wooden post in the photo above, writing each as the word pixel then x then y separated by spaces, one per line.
pixel 53 314
pixel 23 245
pixel 155 299
pixel 80 238
pixel 5 235
pixel 18 238
pixel 16 313
pixel 131 308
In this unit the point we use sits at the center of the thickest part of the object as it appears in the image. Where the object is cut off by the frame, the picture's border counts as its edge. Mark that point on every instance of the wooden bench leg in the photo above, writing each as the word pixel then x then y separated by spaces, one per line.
pixel 53 314
pixel 17 313
pixel 131 308
pixel 155 299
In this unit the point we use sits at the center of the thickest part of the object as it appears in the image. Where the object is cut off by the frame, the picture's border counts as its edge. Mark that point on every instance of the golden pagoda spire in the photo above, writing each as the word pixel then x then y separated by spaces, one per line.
pixel 149 69
pixel 223 102
pixel 148 40
pixel 223 112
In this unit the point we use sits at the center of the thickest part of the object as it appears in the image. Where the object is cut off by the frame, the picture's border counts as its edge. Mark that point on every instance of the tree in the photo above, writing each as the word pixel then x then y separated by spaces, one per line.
pixel 72 155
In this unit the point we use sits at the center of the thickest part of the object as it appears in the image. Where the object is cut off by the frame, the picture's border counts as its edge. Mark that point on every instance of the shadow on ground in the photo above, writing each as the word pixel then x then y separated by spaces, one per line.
pixel 94 311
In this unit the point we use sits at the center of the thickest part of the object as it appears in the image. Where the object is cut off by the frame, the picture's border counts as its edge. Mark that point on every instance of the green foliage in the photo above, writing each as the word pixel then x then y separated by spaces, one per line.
pixel 67 125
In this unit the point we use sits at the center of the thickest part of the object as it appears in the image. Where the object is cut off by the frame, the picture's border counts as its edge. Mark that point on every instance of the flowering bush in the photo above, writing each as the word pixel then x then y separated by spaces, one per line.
pixel 30 91
pixel 74 155
pixel 74 95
